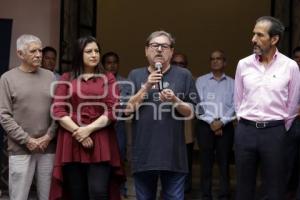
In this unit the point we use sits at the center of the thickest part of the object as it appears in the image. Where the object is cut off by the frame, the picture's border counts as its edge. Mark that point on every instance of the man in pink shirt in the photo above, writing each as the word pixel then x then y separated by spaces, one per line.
pixel 266 99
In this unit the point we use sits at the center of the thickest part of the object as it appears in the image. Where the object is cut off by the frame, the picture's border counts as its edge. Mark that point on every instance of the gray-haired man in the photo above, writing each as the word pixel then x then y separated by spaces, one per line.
pixel 25 116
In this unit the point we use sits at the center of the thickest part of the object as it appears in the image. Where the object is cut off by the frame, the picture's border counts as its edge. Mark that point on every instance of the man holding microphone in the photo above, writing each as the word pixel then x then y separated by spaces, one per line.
pixel 163 96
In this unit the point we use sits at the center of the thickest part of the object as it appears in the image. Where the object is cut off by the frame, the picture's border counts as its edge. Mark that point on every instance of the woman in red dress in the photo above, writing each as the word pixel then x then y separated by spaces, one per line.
pixel 87 164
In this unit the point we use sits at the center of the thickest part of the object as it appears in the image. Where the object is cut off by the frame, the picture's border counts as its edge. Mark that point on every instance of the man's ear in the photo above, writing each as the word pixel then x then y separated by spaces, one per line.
pixel 275 40
pixel 172 51
pixel 20 54
pixel 146 48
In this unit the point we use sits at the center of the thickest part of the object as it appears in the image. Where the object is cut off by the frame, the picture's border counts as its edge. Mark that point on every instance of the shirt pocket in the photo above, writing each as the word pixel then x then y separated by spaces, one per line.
pixel 276 83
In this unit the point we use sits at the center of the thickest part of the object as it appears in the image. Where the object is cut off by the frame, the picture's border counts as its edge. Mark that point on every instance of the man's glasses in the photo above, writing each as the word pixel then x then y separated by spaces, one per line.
pixel 183 64
pixel 155 46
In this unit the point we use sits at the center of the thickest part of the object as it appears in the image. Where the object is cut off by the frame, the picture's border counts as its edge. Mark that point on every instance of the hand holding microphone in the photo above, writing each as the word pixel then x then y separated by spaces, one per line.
pixel 158 67
pixel 155 77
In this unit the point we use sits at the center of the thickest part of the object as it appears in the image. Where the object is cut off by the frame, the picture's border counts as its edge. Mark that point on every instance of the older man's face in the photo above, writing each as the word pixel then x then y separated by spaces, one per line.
pixel 32 54
pixel 217 61
pixel 261 40
pixel 159 50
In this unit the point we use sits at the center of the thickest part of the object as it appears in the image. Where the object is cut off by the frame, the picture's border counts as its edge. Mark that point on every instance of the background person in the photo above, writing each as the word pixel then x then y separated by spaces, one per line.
pixel 215 128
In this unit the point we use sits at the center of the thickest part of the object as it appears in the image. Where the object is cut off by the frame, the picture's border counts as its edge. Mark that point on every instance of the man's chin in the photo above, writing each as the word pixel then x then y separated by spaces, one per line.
pixel 257 52
pixel 161 60
pixel 37 66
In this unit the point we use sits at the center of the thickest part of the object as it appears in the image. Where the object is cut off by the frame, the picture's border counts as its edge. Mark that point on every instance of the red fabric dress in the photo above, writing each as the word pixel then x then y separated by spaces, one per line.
pixel 84 101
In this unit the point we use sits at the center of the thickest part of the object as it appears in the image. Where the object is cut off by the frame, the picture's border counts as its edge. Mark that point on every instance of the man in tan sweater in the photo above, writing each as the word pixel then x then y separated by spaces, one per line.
pixel 25 102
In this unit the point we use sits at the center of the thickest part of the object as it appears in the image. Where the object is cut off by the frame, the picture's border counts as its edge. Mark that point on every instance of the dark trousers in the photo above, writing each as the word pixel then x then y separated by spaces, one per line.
pixel 188 179
pixel 212 146
pixel 120 128
pixel 292 155
pixel 87 181
pixel 265 146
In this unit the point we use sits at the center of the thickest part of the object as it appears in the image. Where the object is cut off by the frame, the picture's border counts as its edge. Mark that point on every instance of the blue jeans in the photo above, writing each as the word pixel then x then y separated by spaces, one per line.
pixel 172 185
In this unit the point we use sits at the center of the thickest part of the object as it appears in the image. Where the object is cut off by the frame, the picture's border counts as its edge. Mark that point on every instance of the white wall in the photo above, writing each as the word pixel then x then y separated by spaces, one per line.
pixel 37 17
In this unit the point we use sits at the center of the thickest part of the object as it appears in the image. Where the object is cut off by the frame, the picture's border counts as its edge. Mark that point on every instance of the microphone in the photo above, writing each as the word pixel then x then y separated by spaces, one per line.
pixel 158 66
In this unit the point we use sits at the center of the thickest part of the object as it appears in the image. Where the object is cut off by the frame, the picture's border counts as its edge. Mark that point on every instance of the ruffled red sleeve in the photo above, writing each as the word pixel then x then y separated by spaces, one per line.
pixel 112 98
pixel 61 105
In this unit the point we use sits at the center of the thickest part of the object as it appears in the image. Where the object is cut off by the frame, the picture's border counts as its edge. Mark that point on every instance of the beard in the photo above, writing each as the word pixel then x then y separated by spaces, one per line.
pixel 259 51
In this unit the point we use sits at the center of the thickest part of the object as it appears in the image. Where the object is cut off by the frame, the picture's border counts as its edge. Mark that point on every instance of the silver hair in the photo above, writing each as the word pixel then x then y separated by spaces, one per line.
pixel 161 33
pixel 26 39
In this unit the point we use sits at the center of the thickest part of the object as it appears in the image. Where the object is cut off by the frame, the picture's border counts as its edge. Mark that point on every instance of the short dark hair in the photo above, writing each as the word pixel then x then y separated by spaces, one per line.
pixel 109 54
pixel 276 28
pixel 220 51
pixel 77 61
pixel 185 60
pixel 47 49
pixel 296 50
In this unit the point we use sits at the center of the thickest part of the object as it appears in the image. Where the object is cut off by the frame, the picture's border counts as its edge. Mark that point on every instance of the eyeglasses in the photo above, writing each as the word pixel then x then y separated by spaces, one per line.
pixel 155 46
pixel 178 63
pixel 216 58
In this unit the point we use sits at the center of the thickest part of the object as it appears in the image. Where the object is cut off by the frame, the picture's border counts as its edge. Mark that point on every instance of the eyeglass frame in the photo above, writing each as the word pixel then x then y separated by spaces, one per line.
pixel 179 63
pixel 164 46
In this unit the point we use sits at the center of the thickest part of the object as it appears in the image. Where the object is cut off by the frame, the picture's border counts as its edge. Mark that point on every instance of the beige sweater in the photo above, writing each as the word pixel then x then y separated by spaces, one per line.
pixel 25 108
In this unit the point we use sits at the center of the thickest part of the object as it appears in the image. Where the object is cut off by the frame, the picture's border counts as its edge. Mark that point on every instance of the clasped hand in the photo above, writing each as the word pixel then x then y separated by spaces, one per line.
pixel 216 127
pixel 38 144
pixel 82 135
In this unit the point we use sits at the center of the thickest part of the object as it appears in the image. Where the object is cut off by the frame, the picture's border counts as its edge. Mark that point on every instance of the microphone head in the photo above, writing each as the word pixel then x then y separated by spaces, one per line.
pixel 158 66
